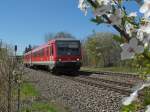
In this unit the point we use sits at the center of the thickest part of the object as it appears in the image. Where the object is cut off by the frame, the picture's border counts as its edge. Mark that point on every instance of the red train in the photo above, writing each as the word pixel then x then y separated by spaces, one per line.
pixel 61 54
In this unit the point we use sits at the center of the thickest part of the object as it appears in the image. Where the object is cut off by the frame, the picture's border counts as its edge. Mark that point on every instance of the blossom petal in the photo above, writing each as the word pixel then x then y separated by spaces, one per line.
pixel 83 6
pixel 147 1
pixel 139 49
pixel 146 28
pixel 144 8
pixel 140 35
pixel 133 14
pixel 102 10
pixel 133 43
pixel 124 46
pixel 127 55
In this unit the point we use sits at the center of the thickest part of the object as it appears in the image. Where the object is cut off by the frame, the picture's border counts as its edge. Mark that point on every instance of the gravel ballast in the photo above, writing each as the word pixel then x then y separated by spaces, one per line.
pixel 76 96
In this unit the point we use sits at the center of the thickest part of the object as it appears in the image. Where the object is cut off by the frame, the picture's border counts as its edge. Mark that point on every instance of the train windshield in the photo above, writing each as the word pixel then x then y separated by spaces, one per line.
pixel 68 48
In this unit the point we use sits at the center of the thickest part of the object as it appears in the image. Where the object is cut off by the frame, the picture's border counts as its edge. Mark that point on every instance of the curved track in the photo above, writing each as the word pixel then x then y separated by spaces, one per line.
pixel 100 84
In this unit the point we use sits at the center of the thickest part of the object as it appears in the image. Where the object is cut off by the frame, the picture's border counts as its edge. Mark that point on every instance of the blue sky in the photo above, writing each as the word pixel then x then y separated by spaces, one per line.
pixel 24 22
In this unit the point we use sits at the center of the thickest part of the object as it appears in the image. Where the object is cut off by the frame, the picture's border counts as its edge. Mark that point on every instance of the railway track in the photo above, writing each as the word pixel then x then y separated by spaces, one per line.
pixel 120 74
pixel 113 85
pixel 117 83
pixel 84 78
pixel 101 84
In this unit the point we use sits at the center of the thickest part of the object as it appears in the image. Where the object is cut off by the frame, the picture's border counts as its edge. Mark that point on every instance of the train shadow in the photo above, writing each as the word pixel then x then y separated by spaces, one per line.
pixel 61 73
pixel 72 73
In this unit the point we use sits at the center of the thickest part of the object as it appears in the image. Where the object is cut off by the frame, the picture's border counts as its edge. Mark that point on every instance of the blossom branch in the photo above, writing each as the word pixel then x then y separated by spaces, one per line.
pixel 126 36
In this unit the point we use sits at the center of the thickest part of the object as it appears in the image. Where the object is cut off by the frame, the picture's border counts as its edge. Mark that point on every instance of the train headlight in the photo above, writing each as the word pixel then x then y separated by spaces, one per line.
pixel 78 59
pixel 59 59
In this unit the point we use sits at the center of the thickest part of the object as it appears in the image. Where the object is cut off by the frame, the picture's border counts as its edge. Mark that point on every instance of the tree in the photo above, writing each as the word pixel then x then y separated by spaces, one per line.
pixel 29 48
pixel 64 35
pixel 51 36
pixel 102 49
pixel 8 64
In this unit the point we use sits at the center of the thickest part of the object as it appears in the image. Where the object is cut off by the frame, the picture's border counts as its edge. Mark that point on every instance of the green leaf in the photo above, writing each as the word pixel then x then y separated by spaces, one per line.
pixel 97 20
pixel 118 39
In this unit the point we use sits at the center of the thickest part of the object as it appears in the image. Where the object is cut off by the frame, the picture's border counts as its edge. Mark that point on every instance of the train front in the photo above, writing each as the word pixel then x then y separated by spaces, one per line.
pixel 68 55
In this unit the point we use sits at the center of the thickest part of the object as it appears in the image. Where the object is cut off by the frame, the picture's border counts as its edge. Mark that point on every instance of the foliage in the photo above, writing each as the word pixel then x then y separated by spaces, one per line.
pixel 27 91
pixel 27 49
pixel 50 36
pixel 131 108
pixel 146 97
pixel 41 107
pixel 8 64
pixel 102 49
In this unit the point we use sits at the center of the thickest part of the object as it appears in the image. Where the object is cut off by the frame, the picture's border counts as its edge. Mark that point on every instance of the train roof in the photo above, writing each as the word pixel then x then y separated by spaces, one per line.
pixel 63 39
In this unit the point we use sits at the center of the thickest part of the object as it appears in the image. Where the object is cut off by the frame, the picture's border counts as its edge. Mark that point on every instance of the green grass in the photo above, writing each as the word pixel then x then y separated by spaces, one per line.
pixel 131 108
pixel 42 107
pixel 112 69
pixel 27 91
pixel 146 96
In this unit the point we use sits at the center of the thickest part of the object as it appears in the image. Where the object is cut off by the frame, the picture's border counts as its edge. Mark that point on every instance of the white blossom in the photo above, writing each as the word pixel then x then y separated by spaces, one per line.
pixel 140 35
pixel 133 14
pixel 116 18
pixel 83 6
pixel 145 8
pixel 148 108
pixel 146 28
pixel 129 27
pixel 143 37
pixel 146 34
pixel 104 2
pixel 102 10
pixel 130 49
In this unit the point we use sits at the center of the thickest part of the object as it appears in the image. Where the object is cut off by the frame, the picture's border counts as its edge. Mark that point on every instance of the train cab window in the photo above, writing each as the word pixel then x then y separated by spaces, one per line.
pixel 68 48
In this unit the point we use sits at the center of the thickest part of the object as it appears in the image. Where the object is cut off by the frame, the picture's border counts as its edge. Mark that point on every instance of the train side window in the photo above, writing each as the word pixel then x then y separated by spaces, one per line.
pixel 47 51
pixel 34 54
pixel 43 52
pixel 51 50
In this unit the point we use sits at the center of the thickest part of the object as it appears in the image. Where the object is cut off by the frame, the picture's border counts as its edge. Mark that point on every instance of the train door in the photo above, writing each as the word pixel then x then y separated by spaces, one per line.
pixel 48 54
pixel 51 56
pixel 30 58
pixel 51 52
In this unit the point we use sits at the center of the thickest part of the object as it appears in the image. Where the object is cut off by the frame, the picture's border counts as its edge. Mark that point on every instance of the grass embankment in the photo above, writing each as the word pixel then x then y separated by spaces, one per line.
pixel 29 93
pixel 111 69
